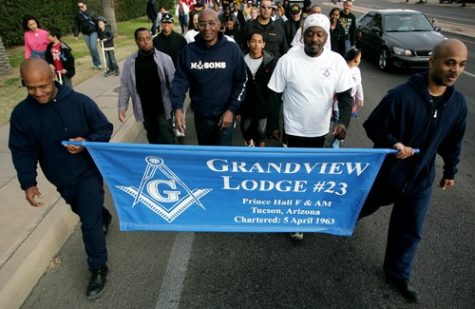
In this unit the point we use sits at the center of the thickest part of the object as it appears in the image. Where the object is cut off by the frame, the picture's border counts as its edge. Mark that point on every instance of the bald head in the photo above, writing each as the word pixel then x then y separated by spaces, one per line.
pixel 446 63
pixel 451 46
pixel 34 66
pixel 39 80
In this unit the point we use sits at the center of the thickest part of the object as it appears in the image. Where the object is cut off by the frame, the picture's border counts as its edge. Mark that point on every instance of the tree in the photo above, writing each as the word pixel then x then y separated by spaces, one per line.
pixel 4 61
pixel 109 14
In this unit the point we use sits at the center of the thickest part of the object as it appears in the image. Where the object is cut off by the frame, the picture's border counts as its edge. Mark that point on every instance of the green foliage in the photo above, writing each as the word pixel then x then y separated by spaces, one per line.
pixel 48 12
pixel 60 13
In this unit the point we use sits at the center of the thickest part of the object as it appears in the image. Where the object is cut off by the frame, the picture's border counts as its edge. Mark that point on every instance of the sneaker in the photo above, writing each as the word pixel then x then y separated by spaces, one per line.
pixel 117 73
pixel 107 73
pixel 296 236
pixel 179 133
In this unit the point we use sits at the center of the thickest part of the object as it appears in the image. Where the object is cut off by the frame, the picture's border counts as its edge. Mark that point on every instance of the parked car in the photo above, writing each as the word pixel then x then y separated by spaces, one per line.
pixel 456 1
pixel 397 38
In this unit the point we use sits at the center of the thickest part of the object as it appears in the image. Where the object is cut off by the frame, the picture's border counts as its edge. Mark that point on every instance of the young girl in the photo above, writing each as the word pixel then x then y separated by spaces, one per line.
pixel 260 100
pixel 353 58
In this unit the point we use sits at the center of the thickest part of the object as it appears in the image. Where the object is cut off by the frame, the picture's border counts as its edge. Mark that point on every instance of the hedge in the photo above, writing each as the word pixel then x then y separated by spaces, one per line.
pixel 59 13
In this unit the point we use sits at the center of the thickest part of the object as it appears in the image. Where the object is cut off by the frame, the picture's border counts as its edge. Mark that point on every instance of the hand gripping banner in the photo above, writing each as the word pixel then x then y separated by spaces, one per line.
pixel 237 189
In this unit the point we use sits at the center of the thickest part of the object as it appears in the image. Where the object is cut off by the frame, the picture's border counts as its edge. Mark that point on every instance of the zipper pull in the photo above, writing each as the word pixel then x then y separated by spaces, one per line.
pixel 435 114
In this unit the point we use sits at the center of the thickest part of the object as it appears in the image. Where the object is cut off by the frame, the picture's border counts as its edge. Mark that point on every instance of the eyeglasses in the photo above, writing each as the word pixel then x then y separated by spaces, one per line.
pixel 145 39
pixel 81 6
pixel 203 24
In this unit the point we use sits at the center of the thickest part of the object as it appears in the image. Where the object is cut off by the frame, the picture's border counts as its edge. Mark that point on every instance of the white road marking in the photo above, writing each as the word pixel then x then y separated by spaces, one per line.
pixel 172 283
pixel 469 74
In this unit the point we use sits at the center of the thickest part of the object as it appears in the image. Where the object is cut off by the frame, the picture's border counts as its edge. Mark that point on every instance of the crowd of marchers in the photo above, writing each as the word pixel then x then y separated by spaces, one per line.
pixel 283 71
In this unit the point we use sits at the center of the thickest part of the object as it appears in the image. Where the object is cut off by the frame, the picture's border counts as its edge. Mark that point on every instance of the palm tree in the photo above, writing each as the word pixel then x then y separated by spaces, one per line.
pixel 109 13
pixel 4 61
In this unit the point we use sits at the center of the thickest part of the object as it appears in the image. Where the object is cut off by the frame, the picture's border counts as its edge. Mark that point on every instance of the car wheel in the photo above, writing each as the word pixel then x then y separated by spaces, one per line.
pixel 383 61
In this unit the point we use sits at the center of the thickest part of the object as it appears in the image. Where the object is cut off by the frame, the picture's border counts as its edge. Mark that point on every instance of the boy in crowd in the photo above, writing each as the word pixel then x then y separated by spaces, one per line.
pixel 107 38
pixel 59 57
pixel 260 101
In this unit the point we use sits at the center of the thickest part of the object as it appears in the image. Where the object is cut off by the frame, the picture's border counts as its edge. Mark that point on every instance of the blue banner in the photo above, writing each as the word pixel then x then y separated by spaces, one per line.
pixel 237 189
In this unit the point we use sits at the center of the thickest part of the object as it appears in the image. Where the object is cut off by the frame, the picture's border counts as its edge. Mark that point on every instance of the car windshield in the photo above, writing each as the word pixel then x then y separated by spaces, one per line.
pixel 406 23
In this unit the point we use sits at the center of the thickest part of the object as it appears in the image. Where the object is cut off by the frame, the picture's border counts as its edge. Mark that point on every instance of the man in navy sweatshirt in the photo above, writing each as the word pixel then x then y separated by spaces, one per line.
pixel 428 113
pixel 213 69
pixel 50 114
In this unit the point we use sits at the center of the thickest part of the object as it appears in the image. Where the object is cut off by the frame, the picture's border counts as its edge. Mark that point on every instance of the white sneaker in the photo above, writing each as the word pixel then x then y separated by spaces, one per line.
pixel 296 235
pixel 179 133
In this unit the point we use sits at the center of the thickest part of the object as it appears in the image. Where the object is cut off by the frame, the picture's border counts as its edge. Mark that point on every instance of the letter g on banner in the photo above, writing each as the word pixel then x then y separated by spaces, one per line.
pixel 171 196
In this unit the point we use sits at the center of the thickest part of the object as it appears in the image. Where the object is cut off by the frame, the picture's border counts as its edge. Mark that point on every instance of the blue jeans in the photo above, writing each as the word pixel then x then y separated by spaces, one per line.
pixel 154 27
pixel 183 22
pixel 111 62
pixel 405 225
pixel 209 133
pixel 91 42
pixel 347 45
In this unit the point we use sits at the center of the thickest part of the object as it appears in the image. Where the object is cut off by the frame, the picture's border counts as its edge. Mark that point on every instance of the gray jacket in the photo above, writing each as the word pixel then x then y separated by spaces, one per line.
pixel 128 88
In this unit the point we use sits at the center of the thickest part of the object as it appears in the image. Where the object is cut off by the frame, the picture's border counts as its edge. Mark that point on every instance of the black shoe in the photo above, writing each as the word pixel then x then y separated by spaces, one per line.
pixel 106 219
pixel 406 290
pixel 97 282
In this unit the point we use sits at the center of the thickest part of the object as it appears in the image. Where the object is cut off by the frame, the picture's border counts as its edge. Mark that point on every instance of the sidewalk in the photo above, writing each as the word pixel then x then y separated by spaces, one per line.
pixel 30 237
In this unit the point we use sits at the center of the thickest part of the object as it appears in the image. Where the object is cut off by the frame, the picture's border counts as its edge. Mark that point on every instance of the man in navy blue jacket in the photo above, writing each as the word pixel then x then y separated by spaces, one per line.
pixel 428 113
pixel 213 69
pixel 49 115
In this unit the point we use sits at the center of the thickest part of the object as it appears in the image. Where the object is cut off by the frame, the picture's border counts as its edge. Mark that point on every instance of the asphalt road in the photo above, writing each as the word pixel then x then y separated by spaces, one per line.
pixel 246 270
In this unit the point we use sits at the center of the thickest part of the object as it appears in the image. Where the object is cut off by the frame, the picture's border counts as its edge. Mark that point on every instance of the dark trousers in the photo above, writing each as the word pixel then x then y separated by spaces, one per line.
pixel 305 142
pixel 405 226
pixel 111 62
pixel 209 133
pixel 159 130
pixel 87 201
pixel 254 129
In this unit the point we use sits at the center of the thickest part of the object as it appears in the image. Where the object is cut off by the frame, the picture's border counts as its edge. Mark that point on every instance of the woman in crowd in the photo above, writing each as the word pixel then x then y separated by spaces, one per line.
pixel 192 27
pixel 36 38
pixel 337 32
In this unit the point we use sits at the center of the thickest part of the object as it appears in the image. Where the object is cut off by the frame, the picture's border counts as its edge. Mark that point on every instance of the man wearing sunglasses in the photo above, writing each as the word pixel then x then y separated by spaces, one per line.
pixel 213 69
pixel 274 34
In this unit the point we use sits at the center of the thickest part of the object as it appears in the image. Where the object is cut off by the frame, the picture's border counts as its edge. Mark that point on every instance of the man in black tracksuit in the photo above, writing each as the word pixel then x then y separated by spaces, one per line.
pixel 425 113
pixel 53 113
